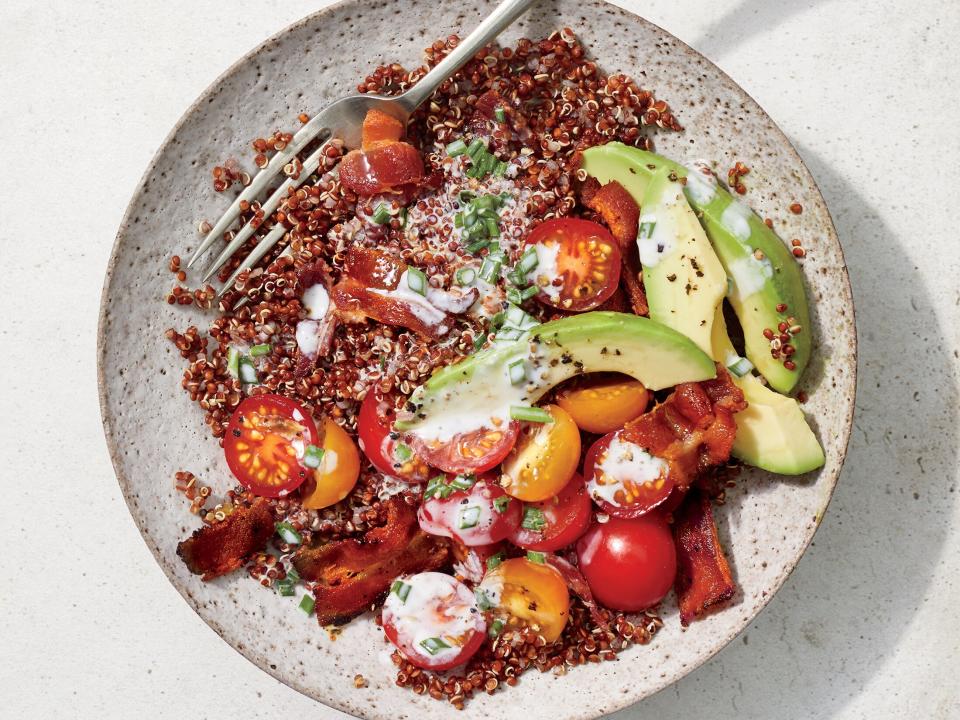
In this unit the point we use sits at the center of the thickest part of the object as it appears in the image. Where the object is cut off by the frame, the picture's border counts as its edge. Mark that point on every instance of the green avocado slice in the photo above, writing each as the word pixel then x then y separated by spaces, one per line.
pixel 479 391
pixel 763 273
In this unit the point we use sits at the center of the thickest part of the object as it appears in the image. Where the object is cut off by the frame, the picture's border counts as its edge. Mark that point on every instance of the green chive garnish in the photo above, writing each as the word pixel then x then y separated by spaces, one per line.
pixel 466 276
pixel 741 367
pixel 457 147
pixel 468 517
pixel 533 519
pixel 645 230
pixel 402 452
pixel 490 270
pixel 288 533
pixel 483 600
pixel 537 557
pixel 463 482
pixel 476 146
pixel 529 260
pixel 433 645
pixel 458 220
pixel 381 216
pixel 494 560
pixel 516 371
pixel 233 362
pixel 496 627
pixel 417 280
pixel 502 503
pixel 530 414
pixel 307 604
pixel 262 349
pixel 400 589
pixel 285 587
pixel 493 230
pixel 313 456
pixel 477 245
pixel 500 114
pixel 529 292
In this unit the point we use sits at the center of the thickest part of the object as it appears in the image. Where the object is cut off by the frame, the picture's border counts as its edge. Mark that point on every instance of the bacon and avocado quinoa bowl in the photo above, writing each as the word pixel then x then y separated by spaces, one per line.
pixel 492 393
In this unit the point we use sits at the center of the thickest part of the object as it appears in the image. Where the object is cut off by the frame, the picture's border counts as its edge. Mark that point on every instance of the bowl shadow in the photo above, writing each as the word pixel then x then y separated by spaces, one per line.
pixel 851 598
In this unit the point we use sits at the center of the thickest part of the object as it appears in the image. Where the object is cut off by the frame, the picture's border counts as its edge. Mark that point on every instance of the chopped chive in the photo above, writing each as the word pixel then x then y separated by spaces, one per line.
pixel 529 292
pixel 262 349
pixel 493 229
pixel 515 316
pixel 458 220
pixel 517 277
pixel 741 367
pixel 533 519
pixel 530 414
pixel 469 216
pixel 500 114
pixel 480 341
pixel 285 587
pixel 417 280
pixel 292 575
pixel 463 482
pixel 466 196
pixel 473 172
pixel 233 362
pixel 248 373
pixel 537 557
pixel 508 333
pixel 476 146
pixel 288 533
pixel 468 517
pixel 466 276
pixel 476 246
pixel 487 202
pixel 437 487
pixel 529 260
pixel 381 215
pixel 500 169
pixel 403 217
pixel 494 560
pixel 313 456
pixel 402 452
pixel 483 600
pixel 513 296
pixel 517 372
pixel 307 604
pixel 645 230
pixel 487 163
pixel 496 627
pixel 501 503
pixel 457 147
pixel 490 270
pixel 433 645
pixel 400 589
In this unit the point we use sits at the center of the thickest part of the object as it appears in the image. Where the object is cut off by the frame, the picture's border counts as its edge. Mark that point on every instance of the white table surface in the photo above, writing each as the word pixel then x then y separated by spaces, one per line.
pixel 867 626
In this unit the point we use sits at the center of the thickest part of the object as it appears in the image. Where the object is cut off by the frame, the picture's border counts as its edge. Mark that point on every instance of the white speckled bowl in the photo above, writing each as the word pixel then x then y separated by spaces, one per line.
pixel 153 430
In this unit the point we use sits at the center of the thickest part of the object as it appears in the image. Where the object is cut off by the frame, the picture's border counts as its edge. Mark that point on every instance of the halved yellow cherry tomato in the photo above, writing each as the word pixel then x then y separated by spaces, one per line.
pixel 544 459
pixel 530 594
pixel 338 471
pixel 603 402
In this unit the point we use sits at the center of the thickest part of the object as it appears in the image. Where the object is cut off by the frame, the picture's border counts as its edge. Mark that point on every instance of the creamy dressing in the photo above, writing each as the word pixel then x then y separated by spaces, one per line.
pixel 418 304
pixel 308 334
pixel 736 218
pixel 436 607
pixel 623 461
pixel 748 275
pixel 546 270
pixel 316 301
pixel 701 185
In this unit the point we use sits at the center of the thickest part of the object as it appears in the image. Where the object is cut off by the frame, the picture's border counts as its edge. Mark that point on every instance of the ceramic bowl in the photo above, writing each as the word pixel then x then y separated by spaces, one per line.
pixel 153 430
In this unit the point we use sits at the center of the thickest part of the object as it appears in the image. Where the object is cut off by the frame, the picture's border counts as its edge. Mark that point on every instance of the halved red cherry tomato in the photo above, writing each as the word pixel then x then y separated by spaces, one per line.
pixel 544 459
pixel 527 593
pixel 434 620
pixel 561 519
pixel 587 261
pixel 623 479
pixel 629 565
pixel 474 452
pixel 265 444
pixel 382 167
pixel 334 478
pixel 603 402
pixel 479 514
pixel 383 447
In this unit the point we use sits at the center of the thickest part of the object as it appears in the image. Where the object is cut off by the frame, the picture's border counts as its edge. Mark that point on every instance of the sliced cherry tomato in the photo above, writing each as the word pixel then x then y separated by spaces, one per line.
pixel 473 452
pixel 623 479
pixel 557 522
pixel 479 513
pixel 527 593
pixel 382 167
pixel 434 620
pixel 544 459
pixel 603 402
pixel 384 448
pixel 338 471
pixel 265 444
pixel 629 564
pixel 583 255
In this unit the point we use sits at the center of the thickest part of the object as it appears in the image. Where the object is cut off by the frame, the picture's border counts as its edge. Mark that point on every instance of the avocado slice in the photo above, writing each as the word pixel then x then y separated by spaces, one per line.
pixel 471 394
pixel 763 273
pixel 772 433
pixel 684 280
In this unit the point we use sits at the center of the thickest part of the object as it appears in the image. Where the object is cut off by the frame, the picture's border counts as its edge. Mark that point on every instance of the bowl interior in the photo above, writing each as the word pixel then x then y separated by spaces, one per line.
pixel 153 430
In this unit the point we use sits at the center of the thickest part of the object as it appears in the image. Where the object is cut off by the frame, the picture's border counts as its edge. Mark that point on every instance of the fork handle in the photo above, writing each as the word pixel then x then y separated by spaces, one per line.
pixel 502 16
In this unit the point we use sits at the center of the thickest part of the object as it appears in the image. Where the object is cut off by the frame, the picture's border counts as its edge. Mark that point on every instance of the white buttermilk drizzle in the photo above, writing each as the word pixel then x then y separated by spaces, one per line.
pixel 316 301
pixel 419 305
pixel 736 218
pixel 701 185
pixel 546 270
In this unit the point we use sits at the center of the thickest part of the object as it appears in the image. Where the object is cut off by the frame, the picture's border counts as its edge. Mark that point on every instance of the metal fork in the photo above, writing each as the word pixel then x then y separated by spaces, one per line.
pixel 342 119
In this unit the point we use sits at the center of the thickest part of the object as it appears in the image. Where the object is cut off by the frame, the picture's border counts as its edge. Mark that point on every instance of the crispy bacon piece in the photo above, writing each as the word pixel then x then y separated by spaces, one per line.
pixel 616 206
pixel 379 129
pixel 350 575
pixel 703 575
pixel 578 586
pixel 363 292
pixel 631 279
pixel 215 550
pixel 693 429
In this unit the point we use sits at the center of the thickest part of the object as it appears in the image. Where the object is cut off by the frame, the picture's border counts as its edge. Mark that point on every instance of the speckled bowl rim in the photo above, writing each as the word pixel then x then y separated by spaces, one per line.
pixel 124 483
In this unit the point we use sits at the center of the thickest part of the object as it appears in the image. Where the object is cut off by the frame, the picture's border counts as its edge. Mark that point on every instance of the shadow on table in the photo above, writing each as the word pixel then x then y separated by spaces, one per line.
pixel 842 612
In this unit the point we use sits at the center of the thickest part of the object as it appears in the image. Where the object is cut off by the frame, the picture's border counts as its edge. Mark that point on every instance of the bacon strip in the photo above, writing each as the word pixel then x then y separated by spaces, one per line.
pixel 360 295
pixel 693 429
pixel 703 576
pixel 350 575
pixel 215 550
